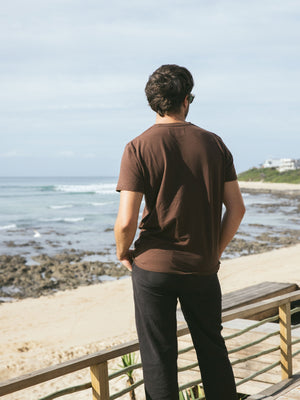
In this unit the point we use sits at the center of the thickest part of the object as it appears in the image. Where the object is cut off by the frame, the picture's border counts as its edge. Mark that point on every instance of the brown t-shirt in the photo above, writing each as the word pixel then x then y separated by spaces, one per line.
pixel 181 169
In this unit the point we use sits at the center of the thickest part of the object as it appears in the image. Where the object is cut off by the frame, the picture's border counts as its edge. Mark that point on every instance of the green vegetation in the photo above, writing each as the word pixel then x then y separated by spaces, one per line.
pixel 194 393
pixel 129 360
pixel 270 175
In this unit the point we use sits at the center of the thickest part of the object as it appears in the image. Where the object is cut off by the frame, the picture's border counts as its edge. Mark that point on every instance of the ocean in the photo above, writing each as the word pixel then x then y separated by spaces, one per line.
pixel 48 215
pixel 53 214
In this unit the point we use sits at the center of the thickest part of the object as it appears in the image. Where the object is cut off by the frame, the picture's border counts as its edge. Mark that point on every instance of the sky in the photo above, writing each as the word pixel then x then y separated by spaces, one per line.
pixel 73 72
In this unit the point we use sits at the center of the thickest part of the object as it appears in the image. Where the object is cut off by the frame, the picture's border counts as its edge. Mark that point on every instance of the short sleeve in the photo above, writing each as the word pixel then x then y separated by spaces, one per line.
pixel 131 174
pixel 230 173
pixel 229 169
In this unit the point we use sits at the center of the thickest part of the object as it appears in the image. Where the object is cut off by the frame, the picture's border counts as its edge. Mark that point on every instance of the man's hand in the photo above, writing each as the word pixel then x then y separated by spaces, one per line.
pixel 127 260
pixel 235 210
pixel 126 224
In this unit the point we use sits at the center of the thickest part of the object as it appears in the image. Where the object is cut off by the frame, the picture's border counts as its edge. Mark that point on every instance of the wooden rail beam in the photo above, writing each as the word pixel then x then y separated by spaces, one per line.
pixel 286 359
pixel 100 384
pixel 252 309
pixel 67 367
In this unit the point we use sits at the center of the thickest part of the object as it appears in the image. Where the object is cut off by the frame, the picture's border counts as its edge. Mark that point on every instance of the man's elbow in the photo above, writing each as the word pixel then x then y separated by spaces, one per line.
pixel 242 211
pixel 124 226
pixel 237 212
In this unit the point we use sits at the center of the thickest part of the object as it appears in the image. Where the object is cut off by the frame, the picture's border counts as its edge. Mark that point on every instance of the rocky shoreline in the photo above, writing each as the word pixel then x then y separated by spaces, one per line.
pixel 264 242
pixel 72 268
pixel 50 274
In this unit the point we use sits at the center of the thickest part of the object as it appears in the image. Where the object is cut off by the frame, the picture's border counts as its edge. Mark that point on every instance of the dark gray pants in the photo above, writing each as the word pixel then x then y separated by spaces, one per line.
pixel 155 298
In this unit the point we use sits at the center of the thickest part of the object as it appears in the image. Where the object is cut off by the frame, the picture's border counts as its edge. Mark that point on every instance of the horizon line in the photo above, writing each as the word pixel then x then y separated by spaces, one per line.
pixel 58 176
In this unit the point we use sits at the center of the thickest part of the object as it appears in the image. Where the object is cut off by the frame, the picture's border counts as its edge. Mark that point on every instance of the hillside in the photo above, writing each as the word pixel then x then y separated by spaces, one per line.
pixel 270 175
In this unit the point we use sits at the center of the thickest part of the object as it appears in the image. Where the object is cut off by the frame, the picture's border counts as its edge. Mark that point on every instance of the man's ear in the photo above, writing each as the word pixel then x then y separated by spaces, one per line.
pixel 186 105
pixel 186 101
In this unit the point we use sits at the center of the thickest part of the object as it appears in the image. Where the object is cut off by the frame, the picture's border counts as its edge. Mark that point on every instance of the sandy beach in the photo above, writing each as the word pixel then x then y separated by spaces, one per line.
pixel 38 332
pixel 283 188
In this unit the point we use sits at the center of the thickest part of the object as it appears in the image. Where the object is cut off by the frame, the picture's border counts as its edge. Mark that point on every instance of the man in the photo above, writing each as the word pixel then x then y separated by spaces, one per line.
pixel 185 174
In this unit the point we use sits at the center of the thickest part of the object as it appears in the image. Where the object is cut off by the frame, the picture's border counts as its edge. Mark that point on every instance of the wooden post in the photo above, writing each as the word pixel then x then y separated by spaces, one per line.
pixel 286 360
pixel 99 377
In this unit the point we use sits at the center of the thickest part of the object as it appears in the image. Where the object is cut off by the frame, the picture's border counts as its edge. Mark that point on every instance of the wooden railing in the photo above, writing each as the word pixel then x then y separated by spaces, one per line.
pixel 98 362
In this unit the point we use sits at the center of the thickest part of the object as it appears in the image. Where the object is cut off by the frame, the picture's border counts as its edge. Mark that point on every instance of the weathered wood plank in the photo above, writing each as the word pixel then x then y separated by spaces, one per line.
pixel 252 387
pixel 266 377
pixel 252 309
pixel 255 293
pixel 188 376
pixel 293 394
pixel 276 391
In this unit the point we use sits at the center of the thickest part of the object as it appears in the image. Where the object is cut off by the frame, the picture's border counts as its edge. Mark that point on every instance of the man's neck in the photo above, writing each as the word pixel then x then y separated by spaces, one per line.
pixel 169 119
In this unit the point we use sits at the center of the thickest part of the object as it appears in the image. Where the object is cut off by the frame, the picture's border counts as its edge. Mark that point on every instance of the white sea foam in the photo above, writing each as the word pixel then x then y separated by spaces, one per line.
pixel 74 219
pixel 95 204
pixel 4 227
pixel 51 219
pixel 62 219
pixel 61 206
pixel 101 188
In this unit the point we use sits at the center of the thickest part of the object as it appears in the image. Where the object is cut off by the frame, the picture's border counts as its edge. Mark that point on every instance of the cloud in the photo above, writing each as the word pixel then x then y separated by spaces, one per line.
pixel 89 155
pixel 73 72
pixel 90 55
pixel 14 154
pixel 9 154
pixel 73 154
pixel 66 154
pixel 57 93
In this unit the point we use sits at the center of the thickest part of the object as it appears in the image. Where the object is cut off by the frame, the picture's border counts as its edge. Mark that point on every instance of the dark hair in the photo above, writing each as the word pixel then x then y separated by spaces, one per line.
pixel 167 88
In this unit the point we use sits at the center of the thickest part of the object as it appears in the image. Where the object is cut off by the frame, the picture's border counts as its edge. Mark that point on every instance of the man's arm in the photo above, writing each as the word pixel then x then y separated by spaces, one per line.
pixel 126 225
pixel 235 210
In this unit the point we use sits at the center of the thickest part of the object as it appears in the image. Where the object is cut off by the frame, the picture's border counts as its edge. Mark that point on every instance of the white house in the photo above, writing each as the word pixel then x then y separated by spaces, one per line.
pixel 271 163
pixel 288 164
pixel 282 164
